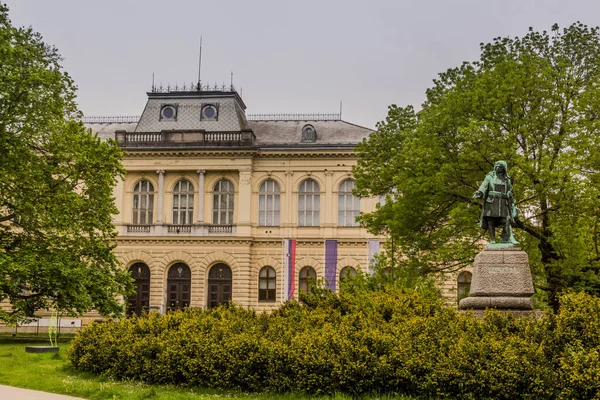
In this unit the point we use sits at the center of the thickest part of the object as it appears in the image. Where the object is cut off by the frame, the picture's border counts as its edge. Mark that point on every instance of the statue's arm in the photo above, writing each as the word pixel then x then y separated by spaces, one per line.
pixel 483 188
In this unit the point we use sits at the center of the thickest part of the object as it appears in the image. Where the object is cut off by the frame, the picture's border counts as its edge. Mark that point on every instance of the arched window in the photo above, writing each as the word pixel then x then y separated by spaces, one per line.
pixel 347 272
pixel 143 203
pixel 348 204
pixel 309 134
pixel 268 203
pixel 309 203
pixel 463 285
pixel 267 281
pixel 183 203
pixel 307 274
pixel 223 203
pixel 140 300
pixel 179 280
pixel 220 283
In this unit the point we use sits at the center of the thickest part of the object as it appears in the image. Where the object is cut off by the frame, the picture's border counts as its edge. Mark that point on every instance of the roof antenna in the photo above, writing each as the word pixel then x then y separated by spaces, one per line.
pixel 340 110
pixel 200 63
pixel 153 81
pixel 231 88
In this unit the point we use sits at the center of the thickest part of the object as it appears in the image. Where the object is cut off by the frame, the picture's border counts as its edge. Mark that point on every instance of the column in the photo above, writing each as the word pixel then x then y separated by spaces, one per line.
pixel 201 173
pixel 244 227
pixel 161 195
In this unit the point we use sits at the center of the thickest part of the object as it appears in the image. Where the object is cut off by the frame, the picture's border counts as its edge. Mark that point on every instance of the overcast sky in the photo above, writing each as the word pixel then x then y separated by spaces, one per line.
pixel 287 56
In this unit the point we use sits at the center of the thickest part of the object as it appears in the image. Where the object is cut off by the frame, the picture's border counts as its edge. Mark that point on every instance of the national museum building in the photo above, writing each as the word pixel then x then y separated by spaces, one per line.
pixel 218 206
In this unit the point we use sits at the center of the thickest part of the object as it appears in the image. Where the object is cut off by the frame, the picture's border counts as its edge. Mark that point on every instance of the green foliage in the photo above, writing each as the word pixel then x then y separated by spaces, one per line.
pixel 360 342
pixel 531 101
pixel 56 181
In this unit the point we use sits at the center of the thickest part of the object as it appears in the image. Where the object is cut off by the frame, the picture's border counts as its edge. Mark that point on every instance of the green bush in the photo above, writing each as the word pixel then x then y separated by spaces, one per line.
pixel 359 342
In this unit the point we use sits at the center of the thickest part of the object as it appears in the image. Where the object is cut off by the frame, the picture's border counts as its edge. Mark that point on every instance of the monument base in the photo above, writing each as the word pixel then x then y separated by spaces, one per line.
pixel 518 303
pixel 501 280
pixel 533 314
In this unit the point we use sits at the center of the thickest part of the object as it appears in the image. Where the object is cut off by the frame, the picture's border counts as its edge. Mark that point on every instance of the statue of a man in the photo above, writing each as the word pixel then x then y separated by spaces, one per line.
pixel 498 203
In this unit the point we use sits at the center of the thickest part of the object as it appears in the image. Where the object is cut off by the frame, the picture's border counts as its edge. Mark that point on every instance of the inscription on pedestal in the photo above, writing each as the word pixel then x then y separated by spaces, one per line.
pixel 503 270
pixel 501 279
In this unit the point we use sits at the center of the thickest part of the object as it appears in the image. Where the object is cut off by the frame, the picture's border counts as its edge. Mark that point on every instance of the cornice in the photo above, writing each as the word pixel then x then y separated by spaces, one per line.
pixel 334 152
pixel 174 240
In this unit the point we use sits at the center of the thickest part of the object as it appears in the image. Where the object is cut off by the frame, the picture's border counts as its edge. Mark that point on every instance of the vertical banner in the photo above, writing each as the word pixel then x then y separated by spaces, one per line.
pixel 286 266
pixel 331 247
pixel 289 269
pixel 373 251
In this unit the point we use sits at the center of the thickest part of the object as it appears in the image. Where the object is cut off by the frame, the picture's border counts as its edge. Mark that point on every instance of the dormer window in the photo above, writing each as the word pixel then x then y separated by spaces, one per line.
pixel 309 134
pixel 209 112
pixel 168 112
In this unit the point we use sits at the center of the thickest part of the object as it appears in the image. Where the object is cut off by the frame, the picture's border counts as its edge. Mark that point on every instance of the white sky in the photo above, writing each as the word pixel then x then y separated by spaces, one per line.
pixel 287 56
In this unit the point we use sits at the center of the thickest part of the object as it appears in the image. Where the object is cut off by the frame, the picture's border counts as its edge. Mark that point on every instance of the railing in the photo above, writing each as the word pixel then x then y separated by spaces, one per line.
pixel 138 228
pixel 192 87
pixel 220 229
pixel 179 229
pixel 184 139
pixel 192 230
pixel 295 117
pixel 222 137
pixel 110 119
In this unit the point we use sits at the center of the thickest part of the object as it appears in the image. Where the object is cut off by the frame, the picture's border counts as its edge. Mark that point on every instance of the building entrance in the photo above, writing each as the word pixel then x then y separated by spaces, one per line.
pixel 179 281
pixel 140 300
pixel 219 285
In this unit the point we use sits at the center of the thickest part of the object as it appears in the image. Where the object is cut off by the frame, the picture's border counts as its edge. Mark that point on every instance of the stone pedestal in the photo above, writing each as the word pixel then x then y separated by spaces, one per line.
pixel 501 280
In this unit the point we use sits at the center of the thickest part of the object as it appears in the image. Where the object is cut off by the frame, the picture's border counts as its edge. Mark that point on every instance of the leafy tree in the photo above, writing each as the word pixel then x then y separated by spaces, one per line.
pixel 533 102
pixel 56 182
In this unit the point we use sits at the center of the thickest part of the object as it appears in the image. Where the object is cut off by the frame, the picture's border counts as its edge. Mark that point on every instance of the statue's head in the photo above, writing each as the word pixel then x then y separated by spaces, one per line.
pixel 501 167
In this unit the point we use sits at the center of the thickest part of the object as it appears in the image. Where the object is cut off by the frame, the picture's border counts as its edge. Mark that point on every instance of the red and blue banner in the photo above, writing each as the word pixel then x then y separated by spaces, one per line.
pixel 331 250
pixel 289 269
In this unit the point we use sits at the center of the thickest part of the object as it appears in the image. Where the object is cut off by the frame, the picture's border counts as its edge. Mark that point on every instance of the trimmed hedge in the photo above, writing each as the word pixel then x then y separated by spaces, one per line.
pixel 359 343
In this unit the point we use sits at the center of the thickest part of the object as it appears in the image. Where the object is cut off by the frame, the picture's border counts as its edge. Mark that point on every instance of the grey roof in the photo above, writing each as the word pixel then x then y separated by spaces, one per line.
pixel 273 133
pixel 231 116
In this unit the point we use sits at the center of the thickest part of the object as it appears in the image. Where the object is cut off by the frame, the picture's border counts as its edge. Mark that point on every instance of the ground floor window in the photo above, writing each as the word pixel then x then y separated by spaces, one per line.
pixel 267 282
pixel 219 285
pixel 140 300
pixel 307 274
pixel 179 282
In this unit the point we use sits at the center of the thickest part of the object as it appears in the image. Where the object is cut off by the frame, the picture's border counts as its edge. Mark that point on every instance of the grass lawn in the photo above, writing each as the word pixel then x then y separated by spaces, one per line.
pixel 53 373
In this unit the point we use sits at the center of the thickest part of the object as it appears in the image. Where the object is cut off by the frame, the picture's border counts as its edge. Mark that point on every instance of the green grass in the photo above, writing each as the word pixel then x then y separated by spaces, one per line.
pixel 53 373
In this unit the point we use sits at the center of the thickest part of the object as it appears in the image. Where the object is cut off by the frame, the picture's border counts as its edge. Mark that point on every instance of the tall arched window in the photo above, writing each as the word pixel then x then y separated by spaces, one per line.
pixel 306 275
pixel 347 272
pixel 348 204
pixel 179 281
pixel 143 203
pixel 463 285
pixel 268 203
pixel 223 203
pixel 140 300
pixel 183 203
pixel 309 203
pixel 267 282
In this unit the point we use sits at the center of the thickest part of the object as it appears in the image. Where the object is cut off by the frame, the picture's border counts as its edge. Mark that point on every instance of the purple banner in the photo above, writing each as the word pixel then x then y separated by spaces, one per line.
pixel 330 263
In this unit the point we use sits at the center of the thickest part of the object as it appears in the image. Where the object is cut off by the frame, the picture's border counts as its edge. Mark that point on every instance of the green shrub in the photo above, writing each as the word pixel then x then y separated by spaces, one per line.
pixel 359 342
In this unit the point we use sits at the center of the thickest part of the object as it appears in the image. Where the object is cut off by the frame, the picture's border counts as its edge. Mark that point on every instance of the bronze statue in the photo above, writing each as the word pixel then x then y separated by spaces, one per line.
pixel 498 203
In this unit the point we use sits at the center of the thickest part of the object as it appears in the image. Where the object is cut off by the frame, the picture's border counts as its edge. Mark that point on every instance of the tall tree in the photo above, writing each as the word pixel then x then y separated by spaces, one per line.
pixel 56 182
pixel 533 102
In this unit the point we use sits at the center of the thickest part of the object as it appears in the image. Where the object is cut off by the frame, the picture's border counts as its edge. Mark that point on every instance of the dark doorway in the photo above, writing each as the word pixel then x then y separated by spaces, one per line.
pixel 219 285
pixel 140 300
pixel 179 281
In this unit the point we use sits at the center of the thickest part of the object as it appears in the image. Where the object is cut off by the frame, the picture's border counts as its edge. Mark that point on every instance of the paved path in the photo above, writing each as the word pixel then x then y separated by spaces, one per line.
pixel 13 393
